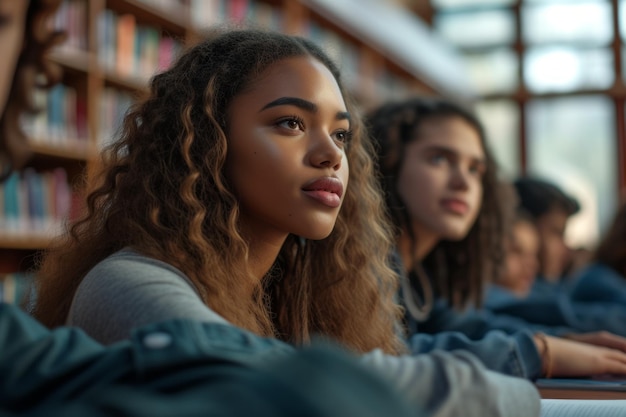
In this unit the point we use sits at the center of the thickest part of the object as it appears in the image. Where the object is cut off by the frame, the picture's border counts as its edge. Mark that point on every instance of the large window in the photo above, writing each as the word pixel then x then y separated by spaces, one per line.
pixel 546 72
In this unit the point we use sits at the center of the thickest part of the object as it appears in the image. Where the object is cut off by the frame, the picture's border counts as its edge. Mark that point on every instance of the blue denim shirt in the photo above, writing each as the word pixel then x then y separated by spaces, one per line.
pixel 598 283
pixel 501 345
pixel 555 312
pixel 497 342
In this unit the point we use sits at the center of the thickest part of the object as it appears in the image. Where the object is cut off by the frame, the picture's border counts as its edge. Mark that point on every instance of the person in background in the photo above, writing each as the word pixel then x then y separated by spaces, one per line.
pixel 511 294
pixel 521 257
pixel 550 208
pixel 604 280
pixel 241 193
pixel 448 207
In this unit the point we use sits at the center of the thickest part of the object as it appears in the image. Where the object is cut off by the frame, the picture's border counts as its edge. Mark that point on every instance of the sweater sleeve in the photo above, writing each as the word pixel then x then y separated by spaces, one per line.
pixel 128 290
pixel 456 384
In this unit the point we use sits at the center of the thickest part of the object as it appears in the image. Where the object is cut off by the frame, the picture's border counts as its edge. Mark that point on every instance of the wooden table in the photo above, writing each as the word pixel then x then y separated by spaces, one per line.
pixel 581 394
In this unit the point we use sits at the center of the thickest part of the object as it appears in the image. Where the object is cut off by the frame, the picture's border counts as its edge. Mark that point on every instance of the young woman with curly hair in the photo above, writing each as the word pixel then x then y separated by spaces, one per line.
pixel 450 214
pixel 245 198
pixel 241 192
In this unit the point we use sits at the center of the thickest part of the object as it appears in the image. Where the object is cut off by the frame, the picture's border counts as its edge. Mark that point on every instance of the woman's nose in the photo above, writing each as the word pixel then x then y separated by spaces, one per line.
pixel 459 179
pixel 324 151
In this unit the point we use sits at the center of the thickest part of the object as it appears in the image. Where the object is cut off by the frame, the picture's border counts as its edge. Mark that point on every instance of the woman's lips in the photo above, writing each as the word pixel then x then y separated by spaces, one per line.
pixel 326 190
pixel 455 205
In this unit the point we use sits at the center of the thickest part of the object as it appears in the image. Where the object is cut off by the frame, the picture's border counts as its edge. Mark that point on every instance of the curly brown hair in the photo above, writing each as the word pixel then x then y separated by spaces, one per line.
pixel 612 248
pixel 32 62
pixel 458 268
pixel 163 192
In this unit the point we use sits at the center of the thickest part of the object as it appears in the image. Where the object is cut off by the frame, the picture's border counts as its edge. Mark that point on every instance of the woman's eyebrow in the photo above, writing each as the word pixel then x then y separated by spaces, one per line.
pixel 302 104
pixel 454 153
pixel 292 101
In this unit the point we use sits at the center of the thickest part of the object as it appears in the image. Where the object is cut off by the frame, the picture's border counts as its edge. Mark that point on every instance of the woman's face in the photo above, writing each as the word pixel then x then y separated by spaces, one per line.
pixel 554 253
pixel 440 180
pixel 522 262
pixel 286 151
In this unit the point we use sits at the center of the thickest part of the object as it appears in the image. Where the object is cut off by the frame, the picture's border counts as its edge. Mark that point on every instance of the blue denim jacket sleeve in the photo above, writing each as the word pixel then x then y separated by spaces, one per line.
pixel 558 311
pixel 513 354
pixel 182 368
pixel 185 367
pixel 475 323
pixel 598 283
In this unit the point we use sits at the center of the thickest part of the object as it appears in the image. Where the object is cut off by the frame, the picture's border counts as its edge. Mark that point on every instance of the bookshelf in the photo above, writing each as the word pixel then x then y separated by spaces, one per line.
pixel 113 48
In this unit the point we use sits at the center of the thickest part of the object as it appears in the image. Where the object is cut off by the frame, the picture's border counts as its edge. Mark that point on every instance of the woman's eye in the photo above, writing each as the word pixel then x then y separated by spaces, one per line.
pixel 292 123
pixel 437 158
pixel 343 136
pixel 478 170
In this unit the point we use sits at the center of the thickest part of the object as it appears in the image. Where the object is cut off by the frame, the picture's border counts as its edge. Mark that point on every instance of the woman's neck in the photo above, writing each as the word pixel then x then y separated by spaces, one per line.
pixel 261 257
pixel 415 249
pixel 264 245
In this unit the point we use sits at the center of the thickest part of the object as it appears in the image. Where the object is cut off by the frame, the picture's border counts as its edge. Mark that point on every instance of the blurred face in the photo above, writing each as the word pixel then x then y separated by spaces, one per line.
pixel 286 151
pixel 554 253
pixel 12 19
pixel 440 179
pixel 522 262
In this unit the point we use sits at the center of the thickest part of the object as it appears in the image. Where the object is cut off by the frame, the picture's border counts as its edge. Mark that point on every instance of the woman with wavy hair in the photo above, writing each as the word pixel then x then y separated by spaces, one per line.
pixel 451 215
pixel 240 203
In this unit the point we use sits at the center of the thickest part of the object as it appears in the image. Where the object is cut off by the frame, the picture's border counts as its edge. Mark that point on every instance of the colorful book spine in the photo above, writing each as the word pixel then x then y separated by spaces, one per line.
pixel 35 203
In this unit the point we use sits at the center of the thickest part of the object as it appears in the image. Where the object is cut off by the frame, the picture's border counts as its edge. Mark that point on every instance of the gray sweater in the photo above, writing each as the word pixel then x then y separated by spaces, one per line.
pixel 128 290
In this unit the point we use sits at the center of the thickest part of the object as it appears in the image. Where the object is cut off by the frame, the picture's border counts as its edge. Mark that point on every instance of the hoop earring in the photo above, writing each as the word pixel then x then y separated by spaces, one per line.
pixel 419 307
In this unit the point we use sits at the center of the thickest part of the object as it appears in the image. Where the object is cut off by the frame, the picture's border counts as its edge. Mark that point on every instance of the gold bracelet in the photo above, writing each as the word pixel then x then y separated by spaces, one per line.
pixel 546 355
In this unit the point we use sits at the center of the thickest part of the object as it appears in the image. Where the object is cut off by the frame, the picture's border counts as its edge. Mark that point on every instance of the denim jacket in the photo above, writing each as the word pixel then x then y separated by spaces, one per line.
pixel 599 283
pixel 186 367
pixel 502 345
pixel 556 312
pixel 181 368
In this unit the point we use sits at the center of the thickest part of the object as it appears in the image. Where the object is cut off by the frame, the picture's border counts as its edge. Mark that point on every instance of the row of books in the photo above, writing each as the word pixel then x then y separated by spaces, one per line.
pixel 113 106
pixel 358 74
pixel 34 203
pixel 348 55
pixel 62 118
pixel 71 18
pixel 132 50
pixel 206 13
pixel 135 51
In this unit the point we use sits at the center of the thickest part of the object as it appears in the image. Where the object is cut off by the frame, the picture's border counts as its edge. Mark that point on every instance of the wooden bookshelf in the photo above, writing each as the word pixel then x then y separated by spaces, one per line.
pixel 94 92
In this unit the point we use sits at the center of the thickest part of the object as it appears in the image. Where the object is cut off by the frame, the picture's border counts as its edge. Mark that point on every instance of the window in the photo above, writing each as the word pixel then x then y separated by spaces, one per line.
pixel 465 3
pixel 477 28
pixel 493 71
pixel 588 22
pixel 501 121
pixel 572 143
pixel 561 69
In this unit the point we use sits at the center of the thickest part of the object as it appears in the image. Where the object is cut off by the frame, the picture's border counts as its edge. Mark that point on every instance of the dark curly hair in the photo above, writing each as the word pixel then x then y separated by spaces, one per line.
pixel 458 268
pixel 163 192
pixel 32 62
